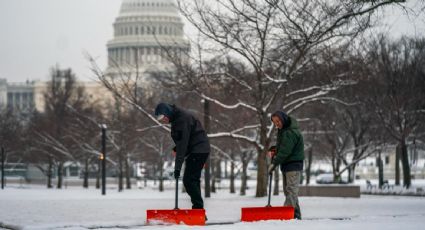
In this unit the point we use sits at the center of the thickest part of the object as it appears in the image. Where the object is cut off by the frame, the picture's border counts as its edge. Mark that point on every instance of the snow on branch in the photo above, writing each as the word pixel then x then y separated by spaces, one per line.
pixel 304 90
pixel 113 89
pixel 275 80
pixel 222 152
pixel 240 81
pixel 245 128
pixel 51 142
pixel 150 127
pixel 237 136
pixel 318 132
pixel 150 145
pixel 308 100
pixel 239 104
pixel 300 101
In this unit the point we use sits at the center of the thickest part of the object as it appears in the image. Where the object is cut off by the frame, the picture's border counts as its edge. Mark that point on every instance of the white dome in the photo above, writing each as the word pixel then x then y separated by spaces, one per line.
pixel 148 7
pixel 142 30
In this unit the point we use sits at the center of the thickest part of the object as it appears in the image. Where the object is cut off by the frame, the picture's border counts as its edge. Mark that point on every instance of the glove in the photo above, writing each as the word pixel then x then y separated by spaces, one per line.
pixel 272 151
pixel 174 152
pixel 271 168
pixel 176 174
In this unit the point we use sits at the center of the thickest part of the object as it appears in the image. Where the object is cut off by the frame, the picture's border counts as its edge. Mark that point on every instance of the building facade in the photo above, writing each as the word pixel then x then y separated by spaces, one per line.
pixel 17 96
pixel 25 97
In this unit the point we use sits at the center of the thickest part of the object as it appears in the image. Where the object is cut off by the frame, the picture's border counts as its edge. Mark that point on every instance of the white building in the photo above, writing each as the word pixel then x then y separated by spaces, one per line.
pixel 145 33
pixel 17 96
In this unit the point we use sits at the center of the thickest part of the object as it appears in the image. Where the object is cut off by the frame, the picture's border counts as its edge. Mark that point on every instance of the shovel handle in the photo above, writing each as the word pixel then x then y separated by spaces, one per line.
pixel 177 194
pixel 270 189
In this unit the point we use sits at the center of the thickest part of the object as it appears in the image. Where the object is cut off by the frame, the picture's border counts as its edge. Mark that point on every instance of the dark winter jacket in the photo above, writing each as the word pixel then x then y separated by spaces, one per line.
pixel 188 135
pixel 289 145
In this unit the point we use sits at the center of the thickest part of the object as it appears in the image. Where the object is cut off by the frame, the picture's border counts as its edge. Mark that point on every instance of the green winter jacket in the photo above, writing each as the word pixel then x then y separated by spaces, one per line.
pixel 290 144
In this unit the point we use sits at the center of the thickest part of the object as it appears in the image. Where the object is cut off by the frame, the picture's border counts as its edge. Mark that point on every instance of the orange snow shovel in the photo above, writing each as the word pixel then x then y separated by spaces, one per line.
pixel 267 213
pixel 176 215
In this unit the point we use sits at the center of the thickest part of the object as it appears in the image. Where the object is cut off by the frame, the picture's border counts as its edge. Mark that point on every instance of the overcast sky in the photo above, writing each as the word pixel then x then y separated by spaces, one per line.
pixel 38 34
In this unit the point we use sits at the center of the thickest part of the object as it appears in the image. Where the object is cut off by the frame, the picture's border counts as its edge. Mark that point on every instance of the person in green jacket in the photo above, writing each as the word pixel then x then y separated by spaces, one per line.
pixel 289 155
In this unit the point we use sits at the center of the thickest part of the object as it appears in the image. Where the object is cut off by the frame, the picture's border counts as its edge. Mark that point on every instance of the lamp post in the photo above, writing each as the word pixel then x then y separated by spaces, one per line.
pixel 207 175
pixel 2 167
pixel 103 159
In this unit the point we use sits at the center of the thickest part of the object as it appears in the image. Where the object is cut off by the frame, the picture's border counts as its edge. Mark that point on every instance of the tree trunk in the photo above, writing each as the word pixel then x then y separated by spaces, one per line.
pixel 98 174
pixel 351 173
pixel 337 174
pixel 407 180
pixel 232 175
pixel 161 176
pixel 86 173
pixel 213 174
pixel 225 169
pixel 120 173
pixel 397 165
pixel 380 171
pixel 128 173
pixel 276 182
pixel 244 176
pixel 60 175
pixel 261 190
pixel 50 173
pixel 154 174
pixel 309 161
pixel 218 171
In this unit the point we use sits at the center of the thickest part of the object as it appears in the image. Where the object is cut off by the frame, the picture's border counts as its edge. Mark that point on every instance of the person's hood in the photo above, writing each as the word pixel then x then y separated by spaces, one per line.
pixel 288 121
pixel 164 109
pixel 293 123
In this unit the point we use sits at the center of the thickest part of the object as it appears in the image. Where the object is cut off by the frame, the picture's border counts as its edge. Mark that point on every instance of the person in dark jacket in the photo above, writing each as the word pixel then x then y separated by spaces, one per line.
pixel 289 154
pixel 192 147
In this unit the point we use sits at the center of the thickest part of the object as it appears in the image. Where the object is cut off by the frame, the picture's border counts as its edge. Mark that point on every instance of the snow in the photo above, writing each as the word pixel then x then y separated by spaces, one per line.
pixel 35 207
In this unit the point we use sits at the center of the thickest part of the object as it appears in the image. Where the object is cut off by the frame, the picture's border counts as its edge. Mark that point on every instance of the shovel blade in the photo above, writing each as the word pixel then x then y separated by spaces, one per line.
pixel 176 216
pixel 267 213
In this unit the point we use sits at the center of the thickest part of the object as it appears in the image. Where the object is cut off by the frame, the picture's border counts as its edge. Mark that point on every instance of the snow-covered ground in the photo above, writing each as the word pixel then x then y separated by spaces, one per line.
pixel 35 207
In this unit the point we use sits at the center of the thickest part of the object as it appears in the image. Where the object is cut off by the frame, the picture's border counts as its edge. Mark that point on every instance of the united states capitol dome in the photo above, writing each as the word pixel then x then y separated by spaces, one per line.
pixel 143 31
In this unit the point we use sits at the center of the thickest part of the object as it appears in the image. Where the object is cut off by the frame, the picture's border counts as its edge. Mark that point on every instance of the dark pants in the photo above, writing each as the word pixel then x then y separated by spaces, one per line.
pixel 192 178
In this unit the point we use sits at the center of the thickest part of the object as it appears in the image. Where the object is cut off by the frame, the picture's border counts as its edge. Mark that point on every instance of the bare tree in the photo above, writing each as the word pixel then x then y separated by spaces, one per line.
pixel 396 80
pixel 275 39
pixel 12 137
pixel 51 129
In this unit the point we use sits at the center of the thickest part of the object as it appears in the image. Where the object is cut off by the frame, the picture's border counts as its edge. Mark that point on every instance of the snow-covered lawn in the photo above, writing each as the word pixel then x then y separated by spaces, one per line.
pixel 36 207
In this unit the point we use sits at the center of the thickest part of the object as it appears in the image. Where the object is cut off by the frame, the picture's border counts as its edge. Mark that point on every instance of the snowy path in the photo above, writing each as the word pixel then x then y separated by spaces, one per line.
pixel 76 208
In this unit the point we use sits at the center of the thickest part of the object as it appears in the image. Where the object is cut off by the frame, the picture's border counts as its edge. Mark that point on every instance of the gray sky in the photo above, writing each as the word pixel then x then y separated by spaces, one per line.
pixel 38 34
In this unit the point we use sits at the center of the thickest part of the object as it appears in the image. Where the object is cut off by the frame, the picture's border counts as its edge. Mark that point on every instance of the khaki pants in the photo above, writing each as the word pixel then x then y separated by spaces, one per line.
pixel 291 181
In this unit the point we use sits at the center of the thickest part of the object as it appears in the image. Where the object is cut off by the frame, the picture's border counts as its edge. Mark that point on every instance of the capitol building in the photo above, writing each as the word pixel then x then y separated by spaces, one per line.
pixel 147 35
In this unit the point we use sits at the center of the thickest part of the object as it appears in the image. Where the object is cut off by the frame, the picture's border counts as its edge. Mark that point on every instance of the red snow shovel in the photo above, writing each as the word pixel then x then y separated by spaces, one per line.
pixel 267 213
pixel 176 215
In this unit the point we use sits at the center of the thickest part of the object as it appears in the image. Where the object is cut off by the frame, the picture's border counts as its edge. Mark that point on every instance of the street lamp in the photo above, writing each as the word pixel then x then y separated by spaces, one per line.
pixel 207 174
pixel 103 158
pixel 2 167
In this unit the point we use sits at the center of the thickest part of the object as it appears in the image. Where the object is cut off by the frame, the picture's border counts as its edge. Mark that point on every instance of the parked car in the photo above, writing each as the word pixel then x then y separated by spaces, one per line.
pixel 325 178
pixel 328 178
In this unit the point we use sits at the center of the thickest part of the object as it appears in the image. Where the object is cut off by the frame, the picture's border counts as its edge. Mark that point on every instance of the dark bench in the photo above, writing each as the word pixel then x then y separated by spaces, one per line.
pixel 369 185
pixel 387 185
